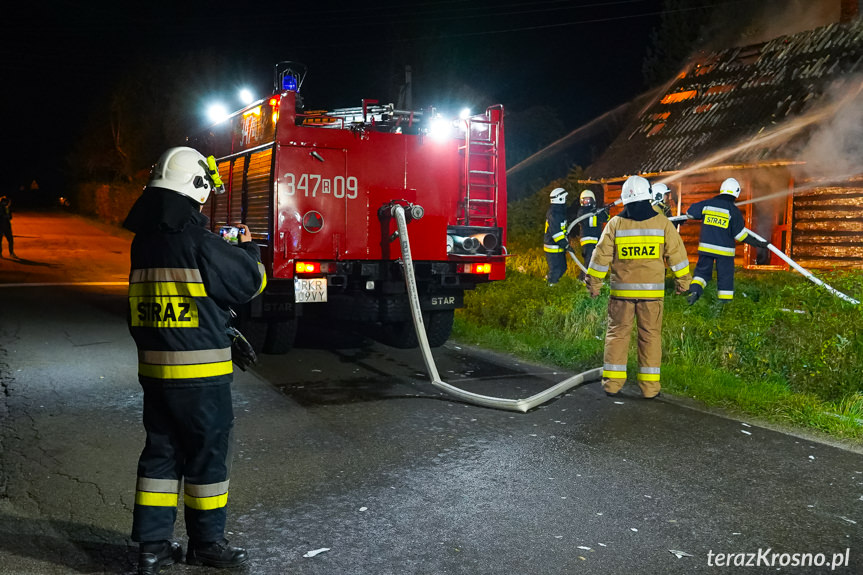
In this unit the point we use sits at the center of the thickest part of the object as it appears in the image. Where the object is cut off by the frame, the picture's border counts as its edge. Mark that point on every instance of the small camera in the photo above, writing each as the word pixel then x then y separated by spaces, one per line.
pixel 229 234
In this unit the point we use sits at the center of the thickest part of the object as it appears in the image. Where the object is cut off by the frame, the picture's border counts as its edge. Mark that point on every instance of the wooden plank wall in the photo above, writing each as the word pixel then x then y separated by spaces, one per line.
pixel 828 227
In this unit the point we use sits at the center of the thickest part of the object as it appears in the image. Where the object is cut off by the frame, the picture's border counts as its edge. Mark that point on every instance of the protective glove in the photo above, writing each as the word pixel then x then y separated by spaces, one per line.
pixel 242 353
pixel 753 241
pixel 594 285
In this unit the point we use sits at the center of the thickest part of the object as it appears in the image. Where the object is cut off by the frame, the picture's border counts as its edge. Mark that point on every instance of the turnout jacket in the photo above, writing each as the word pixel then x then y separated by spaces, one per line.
pixel 591 227
pixel 721 224
pixel 183 280
pixel 555 240
pixel 634 248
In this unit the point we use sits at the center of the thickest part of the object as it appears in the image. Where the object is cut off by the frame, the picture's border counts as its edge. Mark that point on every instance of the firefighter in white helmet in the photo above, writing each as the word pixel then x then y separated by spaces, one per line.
pixel 634 249
pixel 590 227
pixel 721 226
pixel 555 241
pixel 182 283
pixel 661 201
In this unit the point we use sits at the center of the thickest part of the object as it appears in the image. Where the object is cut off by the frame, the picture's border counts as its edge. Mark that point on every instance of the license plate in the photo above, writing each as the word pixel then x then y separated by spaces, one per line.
pixel 310 290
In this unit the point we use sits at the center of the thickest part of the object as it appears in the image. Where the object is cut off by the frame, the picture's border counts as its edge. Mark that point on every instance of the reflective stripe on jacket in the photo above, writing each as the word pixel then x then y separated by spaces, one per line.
pixel 636 253
pixel 181 286
pixel 721 224
pixel 554 240
pixel 591 227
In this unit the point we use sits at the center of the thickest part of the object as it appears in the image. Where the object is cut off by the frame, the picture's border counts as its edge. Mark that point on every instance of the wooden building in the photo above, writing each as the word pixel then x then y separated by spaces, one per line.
pixel 783 117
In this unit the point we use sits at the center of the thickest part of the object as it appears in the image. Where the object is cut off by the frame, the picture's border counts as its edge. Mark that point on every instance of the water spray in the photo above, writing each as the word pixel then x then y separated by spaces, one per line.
pixel 521 405
pixel 783 130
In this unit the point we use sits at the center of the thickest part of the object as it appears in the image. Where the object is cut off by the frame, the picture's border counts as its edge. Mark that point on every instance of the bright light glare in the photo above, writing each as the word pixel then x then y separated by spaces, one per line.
pixel 440 129
pixel 246 96
pixel 464 114
pixel 217 113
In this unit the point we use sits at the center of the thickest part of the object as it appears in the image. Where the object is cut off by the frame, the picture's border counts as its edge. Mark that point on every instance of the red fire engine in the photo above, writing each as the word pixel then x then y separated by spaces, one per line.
pixel 316 189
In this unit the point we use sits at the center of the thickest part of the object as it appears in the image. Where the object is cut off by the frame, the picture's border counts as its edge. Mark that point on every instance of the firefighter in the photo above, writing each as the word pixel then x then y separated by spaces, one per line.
pixel 590 227
pixel 6 226
pixel 661 202
pixel 555 242
pixel 183 279
pixel 721 225
pixel 635 246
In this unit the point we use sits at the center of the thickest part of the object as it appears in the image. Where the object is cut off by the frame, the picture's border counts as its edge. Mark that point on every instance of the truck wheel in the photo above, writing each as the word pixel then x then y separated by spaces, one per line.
pixel 439 327
pixel 280 337
pixel 402 335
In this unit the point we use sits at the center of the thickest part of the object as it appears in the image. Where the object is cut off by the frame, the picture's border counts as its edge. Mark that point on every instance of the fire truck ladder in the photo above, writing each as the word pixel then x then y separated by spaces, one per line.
pixel 482 140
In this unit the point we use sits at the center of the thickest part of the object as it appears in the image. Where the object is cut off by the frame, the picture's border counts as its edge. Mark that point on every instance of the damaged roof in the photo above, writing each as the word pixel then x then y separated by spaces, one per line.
pixel 732 96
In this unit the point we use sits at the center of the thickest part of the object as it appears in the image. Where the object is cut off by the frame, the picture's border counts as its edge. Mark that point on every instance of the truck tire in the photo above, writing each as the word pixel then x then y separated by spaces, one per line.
pixel 280 337
pixel 402 335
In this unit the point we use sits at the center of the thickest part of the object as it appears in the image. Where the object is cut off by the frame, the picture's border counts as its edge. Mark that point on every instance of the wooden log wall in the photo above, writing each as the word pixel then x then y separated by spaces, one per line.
pixel 828 227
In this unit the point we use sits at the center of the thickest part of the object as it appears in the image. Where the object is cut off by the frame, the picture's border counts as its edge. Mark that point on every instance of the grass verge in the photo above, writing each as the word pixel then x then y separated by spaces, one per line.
pixel 784 350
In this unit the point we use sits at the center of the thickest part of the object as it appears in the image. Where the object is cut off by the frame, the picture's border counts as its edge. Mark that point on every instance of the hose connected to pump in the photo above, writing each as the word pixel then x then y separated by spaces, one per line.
pixel 797 267
pixel 522 405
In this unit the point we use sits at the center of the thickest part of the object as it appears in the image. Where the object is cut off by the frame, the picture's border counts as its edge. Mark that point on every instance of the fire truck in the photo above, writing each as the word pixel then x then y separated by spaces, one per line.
pixel 317 189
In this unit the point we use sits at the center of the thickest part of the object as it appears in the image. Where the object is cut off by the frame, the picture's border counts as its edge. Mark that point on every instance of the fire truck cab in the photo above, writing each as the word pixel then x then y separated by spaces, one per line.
pixel 316 189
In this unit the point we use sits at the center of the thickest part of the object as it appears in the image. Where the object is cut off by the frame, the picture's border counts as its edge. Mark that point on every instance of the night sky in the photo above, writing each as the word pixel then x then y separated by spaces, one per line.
pixel 579 57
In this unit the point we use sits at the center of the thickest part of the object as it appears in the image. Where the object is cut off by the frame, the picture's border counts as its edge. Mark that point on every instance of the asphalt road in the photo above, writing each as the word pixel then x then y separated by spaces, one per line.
pixel 343 445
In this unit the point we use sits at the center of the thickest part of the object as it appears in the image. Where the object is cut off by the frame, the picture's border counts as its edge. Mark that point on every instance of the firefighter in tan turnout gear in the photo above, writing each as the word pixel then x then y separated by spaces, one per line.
pixel 183 279
pixel 634 248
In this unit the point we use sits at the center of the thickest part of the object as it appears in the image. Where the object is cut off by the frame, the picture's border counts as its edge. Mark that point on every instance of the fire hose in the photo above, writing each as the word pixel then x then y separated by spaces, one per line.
pixel 580 218
pixel 522 405
pixel 797 267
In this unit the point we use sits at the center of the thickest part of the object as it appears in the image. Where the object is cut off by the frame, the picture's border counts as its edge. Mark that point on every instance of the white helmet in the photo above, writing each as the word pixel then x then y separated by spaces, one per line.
pixel 659 191
pixel 587 194
pixel 635 189
pixel 730 186
pixel 558 196
pixel 185 171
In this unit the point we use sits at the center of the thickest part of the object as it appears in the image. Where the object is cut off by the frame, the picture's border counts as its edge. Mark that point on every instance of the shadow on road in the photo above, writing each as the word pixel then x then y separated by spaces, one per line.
pixel 75 547
pixel 27 262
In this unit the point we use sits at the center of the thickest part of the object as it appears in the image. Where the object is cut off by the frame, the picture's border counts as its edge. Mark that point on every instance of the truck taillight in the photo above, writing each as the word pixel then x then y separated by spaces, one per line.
pixel 314 267
pixel 475 268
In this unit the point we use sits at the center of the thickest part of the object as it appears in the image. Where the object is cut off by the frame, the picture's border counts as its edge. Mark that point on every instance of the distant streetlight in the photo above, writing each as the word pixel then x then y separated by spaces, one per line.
pixel 246 96
pixel 217 113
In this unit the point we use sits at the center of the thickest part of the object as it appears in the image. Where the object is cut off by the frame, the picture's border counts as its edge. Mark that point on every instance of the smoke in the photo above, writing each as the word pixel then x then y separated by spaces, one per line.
pixel 781 17
pixel 754 21
pixel 834 148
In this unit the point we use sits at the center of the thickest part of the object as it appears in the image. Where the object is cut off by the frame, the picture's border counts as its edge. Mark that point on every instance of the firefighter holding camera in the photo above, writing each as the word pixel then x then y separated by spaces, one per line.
pixel 182 283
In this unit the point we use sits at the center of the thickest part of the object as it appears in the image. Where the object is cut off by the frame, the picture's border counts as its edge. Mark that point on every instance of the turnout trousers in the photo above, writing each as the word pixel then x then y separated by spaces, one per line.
pixel 188 441
pixel 724 275
pixel 556 266
pixel 622 313
pixel 587 253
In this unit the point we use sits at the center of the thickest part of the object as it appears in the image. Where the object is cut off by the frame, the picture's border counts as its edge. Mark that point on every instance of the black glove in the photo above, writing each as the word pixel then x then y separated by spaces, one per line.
pixel 242 353
pixel 753 241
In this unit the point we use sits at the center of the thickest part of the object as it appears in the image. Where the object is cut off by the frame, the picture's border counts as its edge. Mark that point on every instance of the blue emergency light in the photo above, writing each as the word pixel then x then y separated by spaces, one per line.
pixel 289 83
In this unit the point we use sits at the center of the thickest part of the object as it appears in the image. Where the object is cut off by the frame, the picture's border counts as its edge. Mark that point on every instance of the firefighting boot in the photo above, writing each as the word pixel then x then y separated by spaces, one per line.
pixel 154 555
pixel 218 554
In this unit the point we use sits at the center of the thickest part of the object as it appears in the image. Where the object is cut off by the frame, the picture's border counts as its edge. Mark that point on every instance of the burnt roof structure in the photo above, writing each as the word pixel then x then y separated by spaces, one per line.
pixel 725 98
